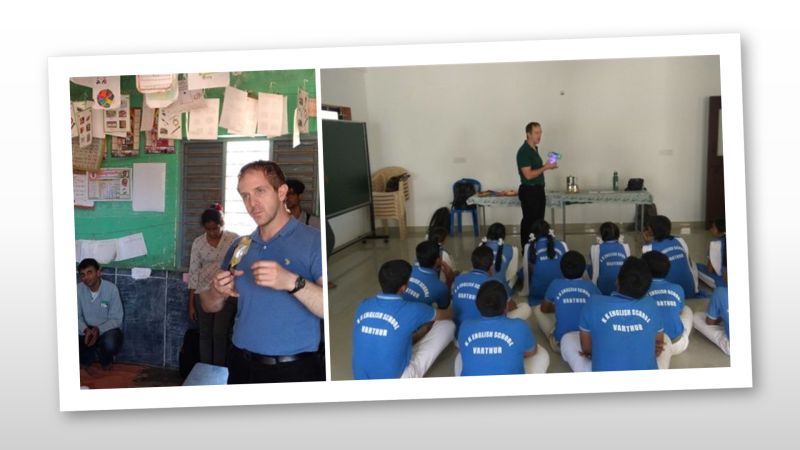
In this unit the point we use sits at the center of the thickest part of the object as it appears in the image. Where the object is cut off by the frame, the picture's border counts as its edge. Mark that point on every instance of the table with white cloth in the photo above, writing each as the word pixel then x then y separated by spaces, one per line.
pixel 561 199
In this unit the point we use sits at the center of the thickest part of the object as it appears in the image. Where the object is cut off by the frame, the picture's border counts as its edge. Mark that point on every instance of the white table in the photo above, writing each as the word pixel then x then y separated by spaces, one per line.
pixel 561 199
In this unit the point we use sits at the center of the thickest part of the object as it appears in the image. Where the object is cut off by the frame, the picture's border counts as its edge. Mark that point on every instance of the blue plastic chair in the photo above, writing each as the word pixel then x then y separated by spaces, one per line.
pixel 473 209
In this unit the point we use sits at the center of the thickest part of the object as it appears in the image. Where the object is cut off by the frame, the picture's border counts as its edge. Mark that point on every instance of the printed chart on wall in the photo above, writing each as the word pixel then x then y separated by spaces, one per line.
pixel 110 185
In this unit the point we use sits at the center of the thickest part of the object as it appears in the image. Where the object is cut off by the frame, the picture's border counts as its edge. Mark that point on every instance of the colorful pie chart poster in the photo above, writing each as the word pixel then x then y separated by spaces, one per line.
pixel 106 93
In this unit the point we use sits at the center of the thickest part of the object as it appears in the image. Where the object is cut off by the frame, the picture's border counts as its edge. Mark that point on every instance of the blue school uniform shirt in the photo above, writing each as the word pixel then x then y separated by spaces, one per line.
pixel 426 287
pixel 718 307
pixel 465 292
pixel 382 330
pixel 545 270
pixel 273 321
pixel 505 260
pixel 670 299
pixel 494 345
pixel 607 258
pixel 623 331
pixel 569 298
pixel 680 271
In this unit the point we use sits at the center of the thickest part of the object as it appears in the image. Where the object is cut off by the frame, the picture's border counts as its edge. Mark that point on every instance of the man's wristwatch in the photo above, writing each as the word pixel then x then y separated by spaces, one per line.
pixel 299 283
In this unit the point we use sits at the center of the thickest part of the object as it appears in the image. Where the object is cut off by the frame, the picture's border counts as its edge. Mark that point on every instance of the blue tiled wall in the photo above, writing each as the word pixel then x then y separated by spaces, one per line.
pixel 155 316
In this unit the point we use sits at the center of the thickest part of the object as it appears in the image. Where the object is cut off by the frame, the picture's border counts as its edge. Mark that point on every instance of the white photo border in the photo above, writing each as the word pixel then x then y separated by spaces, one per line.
pixel 72 398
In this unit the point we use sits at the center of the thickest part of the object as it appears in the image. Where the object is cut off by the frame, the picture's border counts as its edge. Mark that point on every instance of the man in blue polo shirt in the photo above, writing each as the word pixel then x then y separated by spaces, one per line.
pixel 425 285
pixel 670 298
pixel 277 278
pixel 621 331
pixel 383 327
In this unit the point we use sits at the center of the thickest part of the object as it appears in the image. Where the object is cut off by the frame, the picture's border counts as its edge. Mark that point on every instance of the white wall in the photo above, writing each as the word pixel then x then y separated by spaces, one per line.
pixel 447 122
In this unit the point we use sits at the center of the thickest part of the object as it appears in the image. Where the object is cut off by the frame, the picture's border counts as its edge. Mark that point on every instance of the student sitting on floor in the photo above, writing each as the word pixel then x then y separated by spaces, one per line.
pixel 682 270
pixel 383 326
pixel 506 256
pixel 494 344
pixel 621 331
pixel 676 316
pixel 100 317
pixel 607 257
pixel 714 324
pixel 465 289
pixel 566 297
pixel 711 273
pixel 543 256
pixel 448 270
pixel 424 285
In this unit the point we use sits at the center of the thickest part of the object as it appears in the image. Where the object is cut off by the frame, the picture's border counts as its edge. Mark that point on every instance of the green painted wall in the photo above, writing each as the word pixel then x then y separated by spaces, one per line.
pixel 110 220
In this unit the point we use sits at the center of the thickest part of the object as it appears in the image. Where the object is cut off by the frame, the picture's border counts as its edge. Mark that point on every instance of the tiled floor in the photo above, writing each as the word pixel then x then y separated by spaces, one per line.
pixel 355 268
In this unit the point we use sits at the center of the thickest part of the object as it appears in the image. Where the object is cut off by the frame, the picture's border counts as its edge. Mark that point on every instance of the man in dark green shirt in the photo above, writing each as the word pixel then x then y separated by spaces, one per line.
pixel 531 175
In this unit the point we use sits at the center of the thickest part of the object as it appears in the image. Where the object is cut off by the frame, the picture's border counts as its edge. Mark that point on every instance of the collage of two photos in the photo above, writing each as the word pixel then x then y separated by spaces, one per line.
pixel 508 216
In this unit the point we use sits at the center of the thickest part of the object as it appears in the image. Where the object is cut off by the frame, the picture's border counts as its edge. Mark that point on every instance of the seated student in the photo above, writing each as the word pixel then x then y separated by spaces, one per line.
pixel 448 268
pixel 607 257
pixel 621 331
pixel 676 316
pixel 710 323
pixel 466 285
pixel 566 297
pixel 682 270
pixel 100 316
pixel 494 344
pixel 543 255
pixel 506 256
pixel 383 326
pixel 424 285
pixel 711 273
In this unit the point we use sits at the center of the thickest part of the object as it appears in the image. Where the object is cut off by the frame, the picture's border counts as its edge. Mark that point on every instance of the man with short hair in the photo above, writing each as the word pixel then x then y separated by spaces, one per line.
pixel 276 273
pixel 383 327
pixel 531 175
pixel 100 316
pixel 621 331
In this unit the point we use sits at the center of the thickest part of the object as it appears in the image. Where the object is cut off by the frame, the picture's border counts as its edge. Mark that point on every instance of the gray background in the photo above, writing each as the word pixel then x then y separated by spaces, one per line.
pixel 29 386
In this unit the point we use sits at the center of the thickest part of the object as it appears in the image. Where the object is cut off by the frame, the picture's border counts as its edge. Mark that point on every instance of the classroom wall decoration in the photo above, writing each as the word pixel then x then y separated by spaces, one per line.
pixel 155 106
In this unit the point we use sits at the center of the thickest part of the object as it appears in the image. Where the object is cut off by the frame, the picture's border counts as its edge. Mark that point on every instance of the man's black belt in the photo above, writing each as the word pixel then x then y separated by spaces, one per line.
pixel 271 360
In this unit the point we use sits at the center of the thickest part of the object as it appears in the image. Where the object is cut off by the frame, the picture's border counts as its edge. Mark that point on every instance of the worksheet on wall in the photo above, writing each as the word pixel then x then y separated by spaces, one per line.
pixel 80 189
pixel 203 123
pixel 271 114
pixel 188 99
pixel 207 80
pixel 154 83
pixel 169 125
pixel 247 121
pixel 234 108
pixel 149 186
pixel 131 246
pixel 118 120
pixel 106 92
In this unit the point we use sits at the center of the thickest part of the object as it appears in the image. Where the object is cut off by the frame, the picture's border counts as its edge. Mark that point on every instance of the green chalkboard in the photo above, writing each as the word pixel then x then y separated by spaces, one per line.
pixel 348 182
pixel 109 220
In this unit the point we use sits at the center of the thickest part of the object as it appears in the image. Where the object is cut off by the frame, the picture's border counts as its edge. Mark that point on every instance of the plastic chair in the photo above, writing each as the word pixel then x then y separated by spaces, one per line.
pixel 390 205
pixel 473 209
